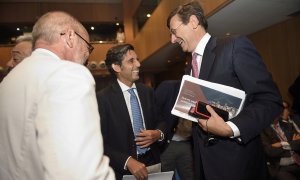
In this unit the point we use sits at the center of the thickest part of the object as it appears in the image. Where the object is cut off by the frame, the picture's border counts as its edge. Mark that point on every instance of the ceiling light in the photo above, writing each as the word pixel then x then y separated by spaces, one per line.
pixel 92 28
pixel 18 29
pixel 148 15
pixel 117 24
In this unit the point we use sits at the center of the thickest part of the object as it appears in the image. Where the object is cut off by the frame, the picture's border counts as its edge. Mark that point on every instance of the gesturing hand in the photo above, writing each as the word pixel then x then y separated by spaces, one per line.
pixel 137 169
pixel 147 137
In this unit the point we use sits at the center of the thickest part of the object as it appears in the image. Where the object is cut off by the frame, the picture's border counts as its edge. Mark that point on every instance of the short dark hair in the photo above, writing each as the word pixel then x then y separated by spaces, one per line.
pixel 185 11
pixel 115 55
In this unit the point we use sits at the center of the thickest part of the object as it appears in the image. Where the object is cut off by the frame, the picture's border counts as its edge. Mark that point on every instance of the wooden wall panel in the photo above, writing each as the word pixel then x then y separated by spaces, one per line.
pixel 279 46
pixel 85 12
pixel 5 53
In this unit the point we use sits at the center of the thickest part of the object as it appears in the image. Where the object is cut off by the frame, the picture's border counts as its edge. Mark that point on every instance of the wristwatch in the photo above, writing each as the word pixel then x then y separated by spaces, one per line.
pixel 162 136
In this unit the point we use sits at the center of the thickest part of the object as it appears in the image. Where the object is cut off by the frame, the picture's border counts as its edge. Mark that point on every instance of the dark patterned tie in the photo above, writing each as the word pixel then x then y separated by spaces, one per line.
pixel 136 117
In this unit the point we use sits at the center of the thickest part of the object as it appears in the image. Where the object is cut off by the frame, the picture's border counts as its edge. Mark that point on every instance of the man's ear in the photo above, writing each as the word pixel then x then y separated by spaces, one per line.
pixel 194 21
pixel 70 38
pixel 116 68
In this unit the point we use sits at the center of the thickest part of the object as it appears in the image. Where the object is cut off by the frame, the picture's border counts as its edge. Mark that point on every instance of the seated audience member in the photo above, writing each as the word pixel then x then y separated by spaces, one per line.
pixel 177 152
pixel 49 121
pixel 282 146
pixel 129 124
pixel 20 51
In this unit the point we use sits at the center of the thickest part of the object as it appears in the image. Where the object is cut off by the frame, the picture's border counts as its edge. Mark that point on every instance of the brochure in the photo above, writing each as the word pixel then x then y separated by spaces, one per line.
pixel 221 96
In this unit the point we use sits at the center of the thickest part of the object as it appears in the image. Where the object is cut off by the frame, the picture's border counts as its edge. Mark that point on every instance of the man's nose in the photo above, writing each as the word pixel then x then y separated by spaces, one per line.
pixel 10 63
pixel 137 63
pixel 173 38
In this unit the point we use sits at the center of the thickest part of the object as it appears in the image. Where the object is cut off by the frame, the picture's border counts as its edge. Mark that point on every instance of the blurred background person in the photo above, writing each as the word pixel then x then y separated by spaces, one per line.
pixel 20 51
pixel 281 143
pixel 177 148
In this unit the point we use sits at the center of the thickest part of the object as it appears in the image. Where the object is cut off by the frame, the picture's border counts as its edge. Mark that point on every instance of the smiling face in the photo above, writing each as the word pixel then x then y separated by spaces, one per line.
pixel 186 35
pixel 128 71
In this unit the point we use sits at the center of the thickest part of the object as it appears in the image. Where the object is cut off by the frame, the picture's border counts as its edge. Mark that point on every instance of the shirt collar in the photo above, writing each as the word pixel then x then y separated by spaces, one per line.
pixel 47 52
pixel 124 87
pixel 202 43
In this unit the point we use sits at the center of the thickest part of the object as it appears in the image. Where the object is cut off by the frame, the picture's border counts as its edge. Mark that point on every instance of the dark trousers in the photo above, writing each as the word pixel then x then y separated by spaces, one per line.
pixel 179 156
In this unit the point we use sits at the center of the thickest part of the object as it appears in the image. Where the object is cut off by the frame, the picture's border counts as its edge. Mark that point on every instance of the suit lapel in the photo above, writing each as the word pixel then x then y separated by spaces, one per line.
pixel 143 101
pixel 208 59
pixel 122 107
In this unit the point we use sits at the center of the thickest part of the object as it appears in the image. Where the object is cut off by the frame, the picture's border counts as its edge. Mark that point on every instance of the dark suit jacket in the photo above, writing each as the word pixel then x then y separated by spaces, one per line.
pixel 165 98
pixel 116 125
pixel 235 62
pixel 269 137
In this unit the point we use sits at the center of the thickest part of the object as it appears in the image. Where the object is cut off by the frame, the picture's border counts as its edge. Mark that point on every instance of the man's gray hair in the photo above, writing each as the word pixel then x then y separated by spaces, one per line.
pixel 52 24
pixel 24 38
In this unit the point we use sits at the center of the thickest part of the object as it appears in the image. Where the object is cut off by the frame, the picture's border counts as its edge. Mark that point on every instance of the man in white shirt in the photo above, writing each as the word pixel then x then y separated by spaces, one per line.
pixel 49 122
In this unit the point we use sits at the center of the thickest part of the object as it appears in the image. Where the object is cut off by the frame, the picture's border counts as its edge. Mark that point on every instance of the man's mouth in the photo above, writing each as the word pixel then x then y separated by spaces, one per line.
pixel 180 41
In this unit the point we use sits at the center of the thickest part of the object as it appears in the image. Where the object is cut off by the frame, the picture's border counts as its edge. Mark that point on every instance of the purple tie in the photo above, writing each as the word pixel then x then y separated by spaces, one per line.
pixel 195 70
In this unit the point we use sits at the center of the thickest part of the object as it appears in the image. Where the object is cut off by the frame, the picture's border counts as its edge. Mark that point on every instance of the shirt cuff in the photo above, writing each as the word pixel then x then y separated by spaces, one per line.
pixel 234 128
pixel 125 166
pixel 285 145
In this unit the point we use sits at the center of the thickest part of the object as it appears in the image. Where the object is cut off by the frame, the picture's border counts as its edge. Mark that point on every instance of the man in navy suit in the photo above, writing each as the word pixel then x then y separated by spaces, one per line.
pixel 237 151
pixel 117 120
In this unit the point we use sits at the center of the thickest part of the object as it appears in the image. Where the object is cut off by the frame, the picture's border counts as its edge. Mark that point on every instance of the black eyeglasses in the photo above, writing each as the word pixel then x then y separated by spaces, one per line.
pixel 173 31
pixel 89 46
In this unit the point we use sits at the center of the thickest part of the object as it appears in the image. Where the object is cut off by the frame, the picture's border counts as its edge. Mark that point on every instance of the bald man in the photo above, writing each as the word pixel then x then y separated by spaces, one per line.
pixel 49 120
pixel 20 51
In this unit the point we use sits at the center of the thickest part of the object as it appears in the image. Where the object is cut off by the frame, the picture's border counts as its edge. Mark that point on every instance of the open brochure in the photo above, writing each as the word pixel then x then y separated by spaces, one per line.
pixel 154 176
pixel 193 90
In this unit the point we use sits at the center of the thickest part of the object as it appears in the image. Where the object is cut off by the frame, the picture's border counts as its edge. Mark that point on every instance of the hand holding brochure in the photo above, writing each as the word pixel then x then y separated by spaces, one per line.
pixel 217 95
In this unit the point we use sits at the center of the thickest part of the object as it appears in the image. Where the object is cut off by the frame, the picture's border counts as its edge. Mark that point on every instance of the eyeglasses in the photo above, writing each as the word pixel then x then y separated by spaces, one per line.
pixel 89 46
pixel 173 31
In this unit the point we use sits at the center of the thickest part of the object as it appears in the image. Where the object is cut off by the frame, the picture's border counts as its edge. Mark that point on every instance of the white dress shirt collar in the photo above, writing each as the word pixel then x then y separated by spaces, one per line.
pixel 41 50
pixel 202 43
pixel 124 87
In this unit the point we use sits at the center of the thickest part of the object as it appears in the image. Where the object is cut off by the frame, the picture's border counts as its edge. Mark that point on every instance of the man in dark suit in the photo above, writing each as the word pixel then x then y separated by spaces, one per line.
pixel 130 150
pixel 177 147
pixel 236 152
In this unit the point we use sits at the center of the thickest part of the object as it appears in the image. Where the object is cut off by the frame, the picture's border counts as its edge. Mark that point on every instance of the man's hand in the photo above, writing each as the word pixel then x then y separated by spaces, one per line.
pixel 147 137
pixel 277 145
pixel 137 169
pixel 215 124
pixel 296 137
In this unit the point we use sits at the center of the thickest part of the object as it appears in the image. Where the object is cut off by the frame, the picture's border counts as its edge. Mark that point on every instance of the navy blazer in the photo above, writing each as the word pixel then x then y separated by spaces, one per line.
pixel 116 125
pixel 165 98
pixel 234 62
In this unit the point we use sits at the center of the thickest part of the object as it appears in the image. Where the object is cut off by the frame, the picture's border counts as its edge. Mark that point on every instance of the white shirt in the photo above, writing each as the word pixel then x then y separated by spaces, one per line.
pixel 200 51
pixel 49 122
pixel 126 94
